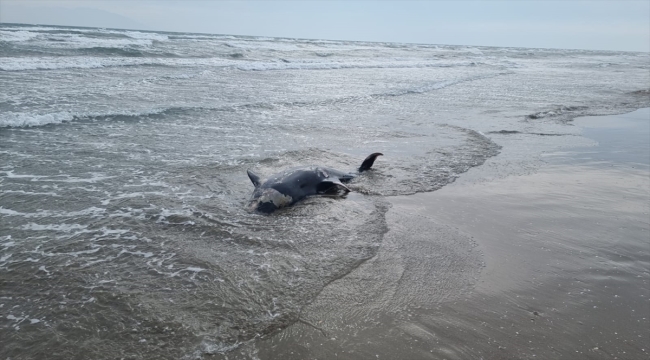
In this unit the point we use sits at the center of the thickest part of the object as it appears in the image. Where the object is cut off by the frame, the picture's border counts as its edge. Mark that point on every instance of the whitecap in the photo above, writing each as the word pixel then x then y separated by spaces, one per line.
pixel 16 36
pixel 25 120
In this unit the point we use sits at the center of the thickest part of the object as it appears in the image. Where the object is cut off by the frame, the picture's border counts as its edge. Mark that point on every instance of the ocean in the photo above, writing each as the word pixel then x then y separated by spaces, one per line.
pixel 123 158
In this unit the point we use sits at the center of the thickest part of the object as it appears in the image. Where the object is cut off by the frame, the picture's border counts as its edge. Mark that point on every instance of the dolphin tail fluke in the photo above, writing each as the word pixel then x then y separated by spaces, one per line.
pixel 367 163
pixel 254 178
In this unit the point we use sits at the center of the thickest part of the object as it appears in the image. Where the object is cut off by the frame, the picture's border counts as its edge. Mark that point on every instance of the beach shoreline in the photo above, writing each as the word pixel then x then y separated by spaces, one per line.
pixel 557 266
pixel 123 224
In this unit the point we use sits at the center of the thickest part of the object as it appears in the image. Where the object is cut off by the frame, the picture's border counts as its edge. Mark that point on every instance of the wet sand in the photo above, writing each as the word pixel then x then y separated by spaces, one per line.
pixel 552 265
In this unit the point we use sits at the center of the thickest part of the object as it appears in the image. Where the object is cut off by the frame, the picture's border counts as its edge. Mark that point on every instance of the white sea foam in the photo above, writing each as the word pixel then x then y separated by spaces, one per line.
pixel 72 62
pixel 16 36
pixel 198 37
pixel 23 119
pixel 257 45
pixel 34 28
pixel 30 193
pixel 131 195
pixel 53 227
pixel 145 255
pixel 9 212
pixel 334 65
pixel 474 50
pixel 194 270
pixel 91 212
pixel 141 35
pixel 10 174
pixel 75 40
pixel 16 153
pixel 13 119
pixel 95 249
pixel 89 62
pixel 106 232
pixel 95 177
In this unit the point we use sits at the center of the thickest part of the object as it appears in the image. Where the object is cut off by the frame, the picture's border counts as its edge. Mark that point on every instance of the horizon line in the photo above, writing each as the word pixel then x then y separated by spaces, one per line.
pixel 339 40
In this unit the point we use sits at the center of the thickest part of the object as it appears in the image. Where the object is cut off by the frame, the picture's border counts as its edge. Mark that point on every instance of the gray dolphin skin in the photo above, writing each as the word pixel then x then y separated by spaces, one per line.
pixel 292 185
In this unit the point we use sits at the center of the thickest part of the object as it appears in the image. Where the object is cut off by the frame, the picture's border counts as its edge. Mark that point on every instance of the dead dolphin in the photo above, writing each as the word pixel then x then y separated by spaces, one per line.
pixel 292 185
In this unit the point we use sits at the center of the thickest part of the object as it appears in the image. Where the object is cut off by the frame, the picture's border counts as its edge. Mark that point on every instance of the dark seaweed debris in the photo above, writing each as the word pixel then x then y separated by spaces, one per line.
pixel 505 132
pixel 512 132
pixel 555 112
pixel 645 92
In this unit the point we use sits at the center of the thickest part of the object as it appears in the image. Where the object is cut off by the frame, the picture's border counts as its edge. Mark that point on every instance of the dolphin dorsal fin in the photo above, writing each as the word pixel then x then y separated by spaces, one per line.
pixel 254 178
pixel 367 163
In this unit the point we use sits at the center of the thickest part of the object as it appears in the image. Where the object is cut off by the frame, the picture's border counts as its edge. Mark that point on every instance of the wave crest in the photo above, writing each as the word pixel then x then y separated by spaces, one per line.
pixel 12 119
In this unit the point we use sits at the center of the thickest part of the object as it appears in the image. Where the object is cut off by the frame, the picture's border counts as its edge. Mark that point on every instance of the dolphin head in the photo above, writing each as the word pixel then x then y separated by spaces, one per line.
pixel 267 200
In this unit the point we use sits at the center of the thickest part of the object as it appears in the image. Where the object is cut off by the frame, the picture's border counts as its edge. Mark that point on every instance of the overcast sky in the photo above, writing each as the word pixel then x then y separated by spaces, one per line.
pixel 606 25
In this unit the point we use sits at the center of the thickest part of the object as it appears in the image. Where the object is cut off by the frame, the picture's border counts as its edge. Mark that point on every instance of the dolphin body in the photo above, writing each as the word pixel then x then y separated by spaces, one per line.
pixel 292 185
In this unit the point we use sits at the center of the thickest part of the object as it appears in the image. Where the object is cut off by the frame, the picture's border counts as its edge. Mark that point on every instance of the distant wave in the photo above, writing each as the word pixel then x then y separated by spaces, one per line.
pixel 15 119
pixel 442 84
pixel 199 37
pixel 52 38
pixel 21 54
pixel 17 36
pixel 333 65
pixel 91 62
pixel 108 51
pixel 12 119
pixel 20 33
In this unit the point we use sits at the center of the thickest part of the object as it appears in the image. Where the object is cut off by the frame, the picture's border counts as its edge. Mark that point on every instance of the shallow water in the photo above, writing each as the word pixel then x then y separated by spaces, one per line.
pixel 563 256
pixel 123 158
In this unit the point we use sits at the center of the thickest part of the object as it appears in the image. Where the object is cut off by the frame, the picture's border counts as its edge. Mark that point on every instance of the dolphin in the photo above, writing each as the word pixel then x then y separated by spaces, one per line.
pixel 292 185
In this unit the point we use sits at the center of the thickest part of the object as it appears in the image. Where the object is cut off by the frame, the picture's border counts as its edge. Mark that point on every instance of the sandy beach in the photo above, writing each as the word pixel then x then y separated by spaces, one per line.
pixel 564 256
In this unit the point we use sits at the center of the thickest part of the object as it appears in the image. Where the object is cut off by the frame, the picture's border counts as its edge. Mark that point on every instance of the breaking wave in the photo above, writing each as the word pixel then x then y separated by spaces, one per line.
pixel 21 119
pixel 133 57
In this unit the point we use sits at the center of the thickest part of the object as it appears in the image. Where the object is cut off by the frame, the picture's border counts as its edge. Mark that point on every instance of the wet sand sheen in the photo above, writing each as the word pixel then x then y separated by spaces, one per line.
pixel 560 270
